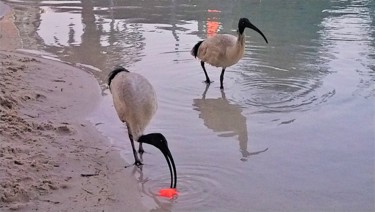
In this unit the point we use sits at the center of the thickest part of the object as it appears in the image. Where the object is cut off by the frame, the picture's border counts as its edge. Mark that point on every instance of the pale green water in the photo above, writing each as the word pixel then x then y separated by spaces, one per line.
pixel 293 129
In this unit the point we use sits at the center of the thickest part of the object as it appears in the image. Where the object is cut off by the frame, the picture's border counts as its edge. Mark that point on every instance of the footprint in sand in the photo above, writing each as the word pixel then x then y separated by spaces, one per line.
pixel 64 130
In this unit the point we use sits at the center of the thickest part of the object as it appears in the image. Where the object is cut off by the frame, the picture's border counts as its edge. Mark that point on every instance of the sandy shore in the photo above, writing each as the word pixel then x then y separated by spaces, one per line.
pixel 51 157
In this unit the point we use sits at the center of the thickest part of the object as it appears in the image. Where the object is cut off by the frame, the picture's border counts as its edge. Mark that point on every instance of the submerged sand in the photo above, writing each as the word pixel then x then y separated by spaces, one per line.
pixel 51 157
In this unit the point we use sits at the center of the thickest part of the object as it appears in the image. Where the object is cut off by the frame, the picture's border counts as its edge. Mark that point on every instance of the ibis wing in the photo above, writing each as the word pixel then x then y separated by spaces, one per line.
pixel 213 49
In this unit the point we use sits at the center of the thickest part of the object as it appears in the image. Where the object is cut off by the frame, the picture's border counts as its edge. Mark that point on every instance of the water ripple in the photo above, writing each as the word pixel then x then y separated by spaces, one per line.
pixel 272 91
pixel 196 184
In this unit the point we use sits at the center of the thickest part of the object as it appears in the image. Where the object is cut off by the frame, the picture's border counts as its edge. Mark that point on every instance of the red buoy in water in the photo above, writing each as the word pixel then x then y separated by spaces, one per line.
pixel 168 192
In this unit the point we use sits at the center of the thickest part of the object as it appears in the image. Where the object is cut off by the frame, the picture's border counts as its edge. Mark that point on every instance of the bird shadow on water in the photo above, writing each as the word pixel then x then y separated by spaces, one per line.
pixel 225 118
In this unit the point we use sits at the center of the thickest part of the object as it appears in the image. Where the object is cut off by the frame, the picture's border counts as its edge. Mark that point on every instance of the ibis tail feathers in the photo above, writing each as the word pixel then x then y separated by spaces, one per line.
pixel 114 73
pixel 194 50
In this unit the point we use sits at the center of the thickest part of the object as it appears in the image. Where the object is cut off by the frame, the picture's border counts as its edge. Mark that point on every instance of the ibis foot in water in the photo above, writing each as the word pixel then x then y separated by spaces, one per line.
pixel 138 164
pixel 208 82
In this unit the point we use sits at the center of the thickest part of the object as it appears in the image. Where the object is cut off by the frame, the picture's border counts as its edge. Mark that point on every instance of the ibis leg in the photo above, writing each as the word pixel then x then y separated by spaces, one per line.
pixel 205 73
pixel 222 78
pixel 137 161
pixel 140 149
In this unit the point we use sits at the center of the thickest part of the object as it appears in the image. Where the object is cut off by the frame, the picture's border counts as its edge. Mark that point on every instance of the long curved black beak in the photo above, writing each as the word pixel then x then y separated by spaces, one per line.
pixel 162 145
pixel 168 156
pixel 251 26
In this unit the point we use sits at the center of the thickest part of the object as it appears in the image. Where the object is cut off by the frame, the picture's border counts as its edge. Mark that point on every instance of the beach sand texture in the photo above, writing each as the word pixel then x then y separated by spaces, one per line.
pixel 51 157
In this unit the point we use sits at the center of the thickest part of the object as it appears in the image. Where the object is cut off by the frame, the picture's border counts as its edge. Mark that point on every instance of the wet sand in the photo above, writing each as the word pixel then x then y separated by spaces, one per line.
pixel 51 157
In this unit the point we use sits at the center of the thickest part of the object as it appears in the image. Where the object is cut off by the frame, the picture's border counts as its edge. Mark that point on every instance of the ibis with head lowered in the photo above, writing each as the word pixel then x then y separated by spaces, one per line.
pixel 135 102
pixel 223 50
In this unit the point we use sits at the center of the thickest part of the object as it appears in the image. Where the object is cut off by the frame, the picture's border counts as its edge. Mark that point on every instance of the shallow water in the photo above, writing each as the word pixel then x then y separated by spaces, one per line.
pixel 294 128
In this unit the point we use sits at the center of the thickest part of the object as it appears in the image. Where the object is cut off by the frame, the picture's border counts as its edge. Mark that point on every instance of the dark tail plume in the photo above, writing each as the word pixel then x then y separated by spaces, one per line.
pixel 194 50
pixel 114 73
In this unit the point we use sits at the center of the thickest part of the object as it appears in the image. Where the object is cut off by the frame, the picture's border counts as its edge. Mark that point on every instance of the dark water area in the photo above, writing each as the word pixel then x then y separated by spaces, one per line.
pixel 292 131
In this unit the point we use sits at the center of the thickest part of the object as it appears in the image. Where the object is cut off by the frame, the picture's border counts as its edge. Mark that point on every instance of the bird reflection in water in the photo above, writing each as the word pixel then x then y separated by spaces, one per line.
pixel 225 118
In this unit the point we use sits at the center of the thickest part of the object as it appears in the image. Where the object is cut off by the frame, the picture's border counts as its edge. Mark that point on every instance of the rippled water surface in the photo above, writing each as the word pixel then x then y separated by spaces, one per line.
pixel 293 130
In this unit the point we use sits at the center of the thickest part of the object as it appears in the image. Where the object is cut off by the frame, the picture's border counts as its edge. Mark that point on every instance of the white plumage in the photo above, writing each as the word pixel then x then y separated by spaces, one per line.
pixel 223 50
pixel 135 102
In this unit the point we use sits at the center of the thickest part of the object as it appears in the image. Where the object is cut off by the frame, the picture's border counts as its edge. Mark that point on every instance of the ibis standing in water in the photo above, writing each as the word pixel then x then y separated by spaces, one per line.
pixel 223 50
pixel 135 102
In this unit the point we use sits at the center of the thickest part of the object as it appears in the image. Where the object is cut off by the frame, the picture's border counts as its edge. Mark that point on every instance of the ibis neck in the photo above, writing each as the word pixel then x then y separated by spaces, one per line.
pixel 241 38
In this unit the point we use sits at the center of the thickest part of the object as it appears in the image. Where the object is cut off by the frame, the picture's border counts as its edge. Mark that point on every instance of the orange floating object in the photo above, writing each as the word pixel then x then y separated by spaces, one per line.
pixel 168 192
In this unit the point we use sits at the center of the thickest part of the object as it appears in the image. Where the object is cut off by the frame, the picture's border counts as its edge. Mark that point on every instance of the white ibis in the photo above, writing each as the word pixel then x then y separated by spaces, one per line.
pixel 135 102
pixel 223 50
